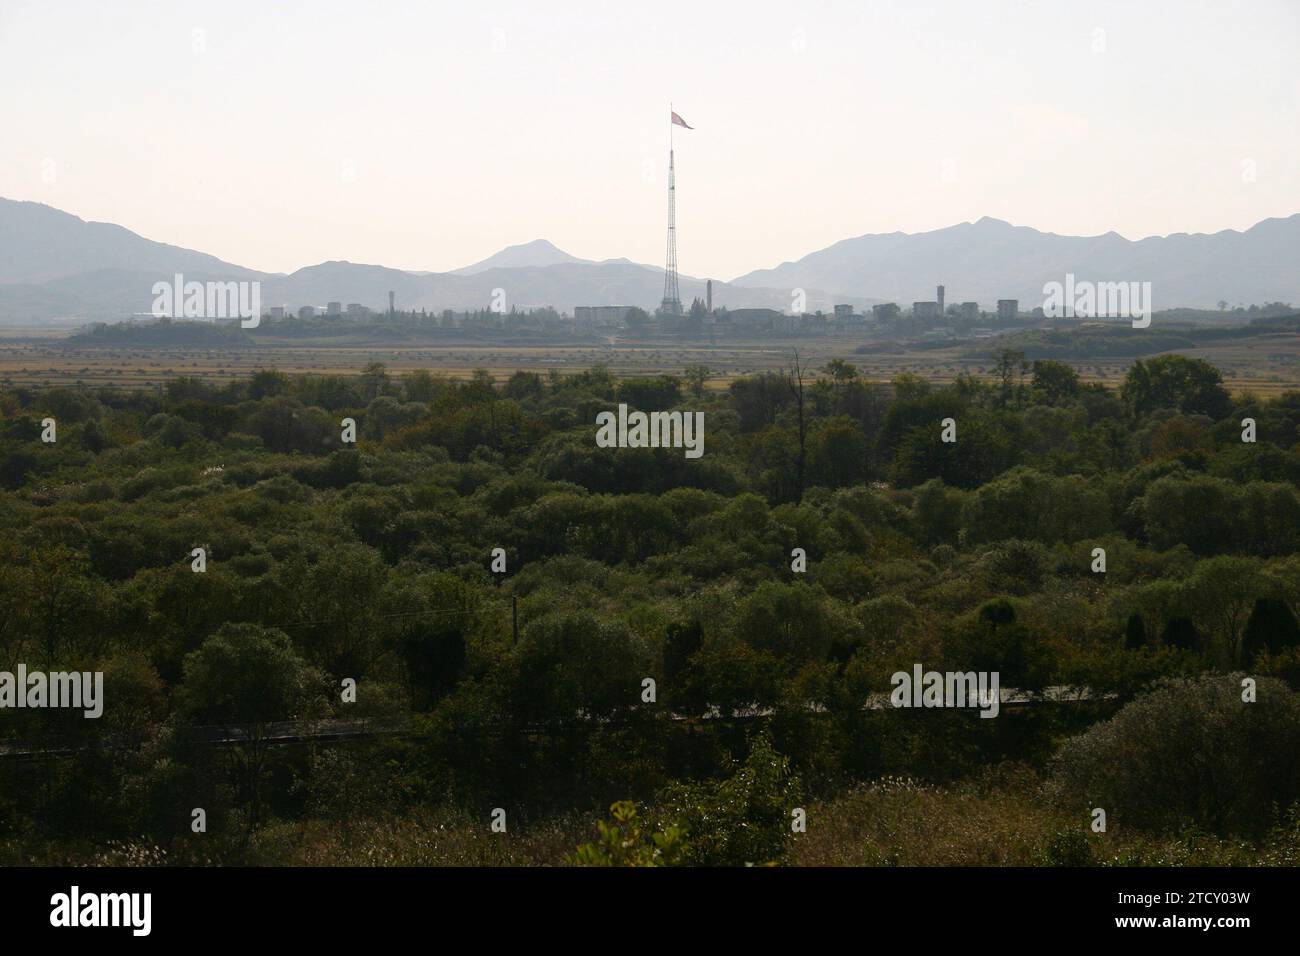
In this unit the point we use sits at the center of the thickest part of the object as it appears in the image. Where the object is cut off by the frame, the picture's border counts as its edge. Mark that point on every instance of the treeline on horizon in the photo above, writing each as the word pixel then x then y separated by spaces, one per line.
pixel 1094 340
pixel 1178 329
pixel 327 561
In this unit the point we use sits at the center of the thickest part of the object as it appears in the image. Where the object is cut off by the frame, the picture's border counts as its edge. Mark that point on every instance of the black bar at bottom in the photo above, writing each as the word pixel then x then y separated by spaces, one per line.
pixel 572 905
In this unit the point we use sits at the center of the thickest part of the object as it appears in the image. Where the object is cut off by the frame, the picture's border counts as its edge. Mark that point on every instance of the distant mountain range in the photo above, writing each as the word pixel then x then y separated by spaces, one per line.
pixel 539 252
pixel 39 244
pixel 989 260
pixel 54 265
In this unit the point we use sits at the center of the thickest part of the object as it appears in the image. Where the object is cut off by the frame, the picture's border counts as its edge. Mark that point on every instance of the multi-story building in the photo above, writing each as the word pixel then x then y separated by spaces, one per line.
pixel 850 324
pixel 1008 309
pixel 746 321
pixel 596 316
pixel 784 324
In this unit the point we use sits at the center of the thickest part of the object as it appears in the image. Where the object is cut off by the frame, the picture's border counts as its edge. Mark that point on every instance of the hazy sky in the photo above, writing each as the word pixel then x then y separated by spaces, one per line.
pixel 428 135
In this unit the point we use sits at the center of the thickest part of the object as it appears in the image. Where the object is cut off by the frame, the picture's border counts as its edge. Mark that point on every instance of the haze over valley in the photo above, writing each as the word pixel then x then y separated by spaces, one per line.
pixel 54 265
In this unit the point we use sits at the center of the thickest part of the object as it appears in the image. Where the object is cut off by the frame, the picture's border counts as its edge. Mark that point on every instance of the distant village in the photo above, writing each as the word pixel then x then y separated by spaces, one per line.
pixel 928 320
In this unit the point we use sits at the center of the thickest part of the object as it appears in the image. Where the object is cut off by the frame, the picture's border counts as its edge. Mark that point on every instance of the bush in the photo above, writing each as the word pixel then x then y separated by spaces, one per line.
pixel 627 842
pixel 743 820
pixel 1191 751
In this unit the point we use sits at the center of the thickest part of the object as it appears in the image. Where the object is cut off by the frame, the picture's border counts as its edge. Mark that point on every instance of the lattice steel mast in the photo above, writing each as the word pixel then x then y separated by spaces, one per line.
pixel 672 303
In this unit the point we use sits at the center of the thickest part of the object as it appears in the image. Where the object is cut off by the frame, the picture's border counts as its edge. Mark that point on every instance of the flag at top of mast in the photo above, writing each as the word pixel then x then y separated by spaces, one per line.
pixel 678 121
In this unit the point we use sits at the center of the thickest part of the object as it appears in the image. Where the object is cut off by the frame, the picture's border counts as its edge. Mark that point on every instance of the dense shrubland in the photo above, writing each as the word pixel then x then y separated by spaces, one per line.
pixel 371 562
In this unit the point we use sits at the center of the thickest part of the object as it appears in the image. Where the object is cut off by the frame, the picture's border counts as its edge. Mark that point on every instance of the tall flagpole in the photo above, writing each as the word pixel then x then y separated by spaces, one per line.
pixel 672 303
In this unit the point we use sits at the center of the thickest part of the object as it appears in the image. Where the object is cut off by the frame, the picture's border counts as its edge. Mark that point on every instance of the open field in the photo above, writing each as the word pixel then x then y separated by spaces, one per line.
pixel 1264 364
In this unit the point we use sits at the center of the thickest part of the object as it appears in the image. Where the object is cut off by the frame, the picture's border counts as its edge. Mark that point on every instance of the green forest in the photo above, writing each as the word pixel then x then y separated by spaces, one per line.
pixel 471 636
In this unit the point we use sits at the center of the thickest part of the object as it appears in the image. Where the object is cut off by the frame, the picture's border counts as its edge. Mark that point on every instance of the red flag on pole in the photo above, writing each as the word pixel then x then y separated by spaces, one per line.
pixel 678 121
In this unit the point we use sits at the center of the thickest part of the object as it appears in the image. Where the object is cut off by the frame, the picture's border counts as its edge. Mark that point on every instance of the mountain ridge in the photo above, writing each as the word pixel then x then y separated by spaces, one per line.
pixel 538 252
pixel 991 259
pixel 54 264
